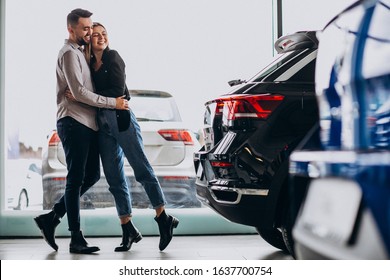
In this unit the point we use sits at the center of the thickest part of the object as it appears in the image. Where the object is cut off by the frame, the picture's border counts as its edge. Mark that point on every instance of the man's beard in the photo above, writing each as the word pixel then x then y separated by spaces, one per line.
pixel 81 42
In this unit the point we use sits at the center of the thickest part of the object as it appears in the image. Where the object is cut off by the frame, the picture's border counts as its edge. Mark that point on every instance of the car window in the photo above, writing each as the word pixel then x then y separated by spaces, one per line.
pixel 279 60
pixel 335 41
pixel 154 109
pixel 34 168
pixel 333 76
pixel 277 67
pixel 306 74
pixel 377 45
pixel 376 75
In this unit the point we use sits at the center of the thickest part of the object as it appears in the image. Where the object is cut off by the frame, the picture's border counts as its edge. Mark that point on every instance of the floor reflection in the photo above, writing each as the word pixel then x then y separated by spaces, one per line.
pixel 202 247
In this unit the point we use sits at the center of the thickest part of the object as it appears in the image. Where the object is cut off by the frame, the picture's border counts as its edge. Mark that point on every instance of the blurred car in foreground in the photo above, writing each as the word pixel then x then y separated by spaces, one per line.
pixel 169 146
pixel 23 184
pixel 343 168
pixel 249 133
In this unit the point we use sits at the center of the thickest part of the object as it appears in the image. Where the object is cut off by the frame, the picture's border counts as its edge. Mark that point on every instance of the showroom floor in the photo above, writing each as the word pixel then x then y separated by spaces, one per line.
pixel 198 247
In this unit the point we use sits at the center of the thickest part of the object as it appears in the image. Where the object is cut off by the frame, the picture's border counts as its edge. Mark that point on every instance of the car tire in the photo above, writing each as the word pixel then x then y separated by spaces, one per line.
pixel 287 238
pixel 22 201
pixel 288 241
pixel 286 229
pixel 274 237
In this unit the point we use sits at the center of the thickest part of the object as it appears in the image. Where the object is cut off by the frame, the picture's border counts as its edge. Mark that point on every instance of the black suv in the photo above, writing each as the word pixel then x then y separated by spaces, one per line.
pixel 249 133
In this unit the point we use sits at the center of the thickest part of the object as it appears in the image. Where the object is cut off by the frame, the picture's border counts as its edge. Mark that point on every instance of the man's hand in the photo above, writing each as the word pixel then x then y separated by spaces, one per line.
pixel 122 103
pixel 69 95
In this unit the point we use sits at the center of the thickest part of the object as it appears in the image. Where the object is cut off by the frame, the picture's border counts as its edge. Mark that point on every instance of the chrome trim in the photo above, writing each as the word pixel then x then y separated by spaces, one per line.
pixel 240 192
pixel 333 157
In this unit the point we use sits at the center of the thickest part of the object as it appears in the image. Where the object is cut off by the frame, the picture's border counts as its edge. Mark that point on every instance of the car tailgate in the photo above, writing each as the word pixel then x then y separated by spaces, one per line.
pixel 158 150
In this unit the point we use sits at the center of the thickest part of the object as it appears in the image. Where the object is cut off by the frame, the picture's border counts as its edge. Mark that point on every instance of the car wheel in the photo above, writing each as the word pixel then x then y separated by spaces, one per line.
pixel 274 237
pixel 288 239
pixel 23 201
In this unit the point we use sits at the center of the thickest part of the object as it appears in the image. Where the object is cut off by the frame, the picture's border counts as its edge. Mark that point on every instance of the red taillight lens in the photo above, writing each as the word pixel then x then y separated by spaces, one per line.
pixel 248 106
pixel 177 135
pixel 58 179
pixel 219 108
pixel 221 164
pixel 54 139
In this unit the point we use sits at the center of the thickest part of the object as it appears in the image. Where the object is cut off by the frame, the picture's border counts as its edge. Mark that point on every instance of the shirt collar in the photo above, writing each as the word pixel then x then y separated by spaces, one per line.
pixel 73 44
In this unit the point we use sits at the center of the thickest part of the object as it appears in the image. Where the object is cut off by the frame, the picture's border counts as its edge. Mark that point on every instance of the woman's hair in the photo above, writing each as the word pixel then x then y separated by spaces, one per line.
pixel 98 24
pixel 88 53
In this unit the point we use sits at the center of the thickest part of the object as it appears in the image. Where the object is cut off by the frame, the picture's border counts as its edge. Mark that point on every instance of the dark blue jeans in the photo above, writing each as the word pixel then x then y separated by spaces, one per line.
pixel 82 158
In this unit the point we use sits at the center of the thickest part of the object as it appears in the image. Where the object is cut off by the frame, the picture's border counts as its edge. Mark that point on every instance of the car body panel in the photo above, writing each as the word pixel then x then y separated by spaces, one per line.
pixel 367 172
pixel 158 150
pixel 24 181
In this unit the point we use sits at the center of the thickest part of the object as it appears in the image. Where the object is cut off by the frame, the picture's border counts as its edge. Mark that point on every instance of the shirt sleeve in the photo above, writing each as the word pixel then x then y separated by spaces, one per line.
pixel 73 74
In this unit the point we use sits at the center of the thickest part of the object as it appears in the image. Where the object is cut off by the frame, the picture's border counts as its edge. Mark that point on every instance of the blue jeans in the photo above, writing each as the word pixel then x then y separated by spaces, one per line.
pixel 82 160
pixel 114 145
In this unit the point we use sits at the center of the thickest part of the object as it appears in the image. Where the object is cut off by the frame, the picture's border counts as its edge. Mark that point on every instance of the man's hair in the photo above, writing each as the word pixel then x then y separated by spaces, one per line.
pixel 73 16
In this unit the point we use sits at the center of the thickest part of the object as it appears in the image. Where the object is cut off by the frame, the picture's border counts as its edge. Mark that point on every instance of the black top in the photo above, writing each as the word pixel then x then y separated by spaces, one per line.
pixel 110 78
pixel 110 81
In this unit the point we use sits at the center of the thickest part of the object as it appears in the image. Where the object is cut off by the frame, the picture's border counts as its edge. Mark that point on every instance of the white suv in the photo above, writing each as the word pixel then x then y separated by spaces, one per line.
pixel 169 146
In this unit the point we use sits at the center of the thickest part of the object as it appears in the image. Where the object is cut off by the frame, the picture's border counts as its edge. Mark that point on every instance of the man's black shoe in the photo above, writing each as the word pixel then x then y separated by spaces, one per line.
pixel 79 245
pixel 47 223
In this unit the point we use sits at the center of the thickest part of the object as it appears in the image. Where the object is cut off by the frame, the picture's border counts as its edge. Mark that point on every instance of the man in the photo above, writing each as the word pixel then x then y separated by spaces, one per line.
pixel 77 129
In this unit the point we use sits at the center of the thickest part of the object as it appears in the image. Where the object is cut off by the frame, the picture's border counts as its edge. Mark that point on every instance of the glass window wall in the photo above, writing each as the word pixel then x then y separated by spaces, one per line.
pixel 188 50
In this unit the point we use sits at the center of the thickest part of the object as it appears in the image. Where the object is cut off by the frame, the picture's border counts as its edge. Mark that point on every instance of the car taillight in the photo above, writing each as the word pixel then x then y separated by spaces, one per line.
pixel 221 164
pixel 58 179
pixel 177 135
pixel 219 108
pixel 54 139
pixel 248 106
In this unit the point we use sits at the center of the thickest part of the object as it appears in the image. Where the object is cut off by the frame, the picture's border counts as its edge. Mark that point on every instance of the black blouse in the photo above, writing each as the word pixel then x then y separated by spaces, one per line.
pixel 110 81
pixel 110 78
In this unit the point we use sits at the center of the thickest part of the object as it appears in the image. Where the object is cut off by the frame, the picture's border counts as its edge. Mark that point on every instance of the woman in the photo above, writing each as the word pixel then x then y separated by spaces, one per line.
pixel 119 134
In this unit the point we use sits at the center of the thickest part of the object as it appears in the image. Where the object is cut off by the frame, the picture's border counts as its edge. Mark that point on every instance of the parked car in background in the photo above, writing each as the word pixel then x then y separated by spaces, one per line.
pixel 343 168
pixel 249 133
pixel 23 184
pixel 169 146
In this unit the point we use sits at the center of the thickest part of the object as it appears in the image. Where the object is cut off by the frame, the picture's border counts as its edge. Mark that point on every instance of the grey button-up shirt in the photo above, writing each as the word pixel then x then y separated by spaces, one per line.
pixel 74 73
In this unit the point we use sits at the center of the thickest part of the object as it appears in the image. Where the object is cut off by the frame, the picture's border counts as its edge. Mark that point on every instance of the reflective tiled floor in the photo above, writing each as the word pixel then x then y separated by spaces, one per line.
pixel 198 247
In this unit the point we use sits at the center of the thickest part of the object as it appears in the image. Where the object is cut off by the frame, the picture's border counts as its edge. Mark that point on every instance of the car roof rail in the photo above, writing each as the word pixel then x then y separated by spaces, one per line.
pixel 149 93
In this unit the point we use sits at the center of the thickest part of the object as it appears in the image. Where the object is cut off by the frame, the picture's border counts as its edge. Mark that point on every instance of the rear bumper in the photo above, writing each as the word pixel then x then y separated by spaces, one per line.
pixel 246 204
pixel 364 233
pixel 242 208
